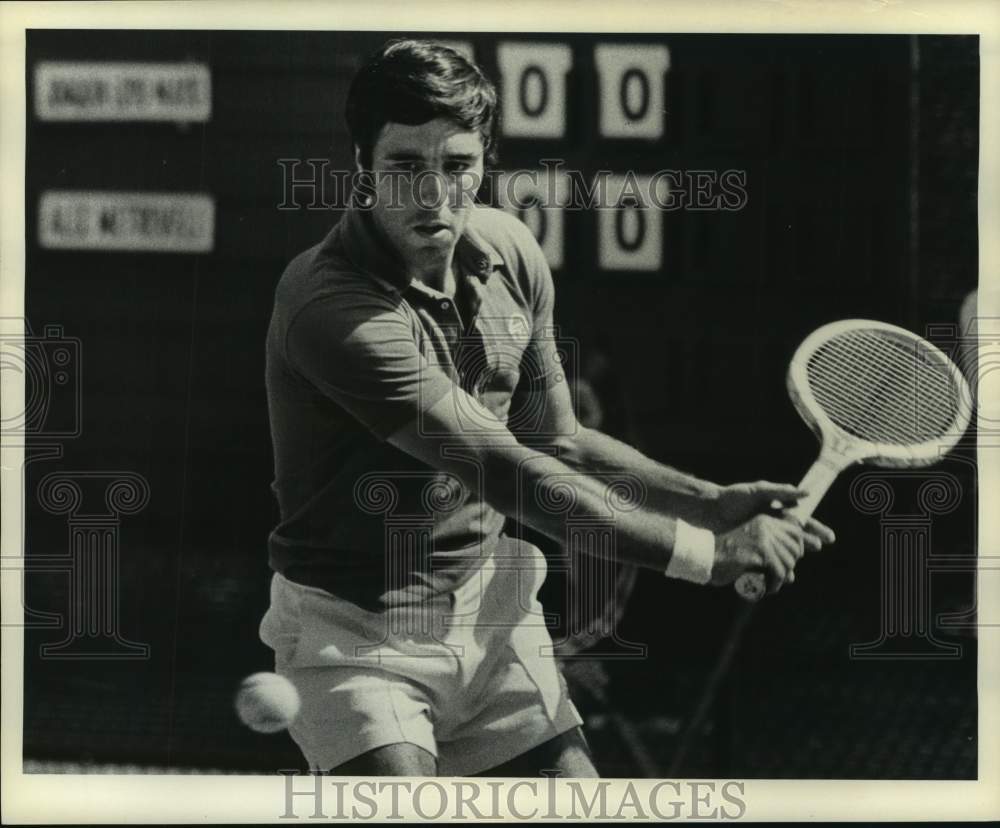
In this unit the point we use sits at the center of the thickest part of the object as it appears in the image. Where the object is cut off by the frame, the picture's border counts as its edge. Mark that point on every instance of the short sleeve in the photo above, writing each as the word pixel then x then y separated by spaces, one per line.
pixel 542 355
pixel 357 347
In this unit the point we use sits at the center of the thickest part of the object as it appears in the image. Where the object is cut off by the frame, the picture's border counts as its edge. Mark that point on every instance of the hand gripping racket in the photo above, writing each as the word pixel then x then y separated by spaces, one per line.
pixel 872 393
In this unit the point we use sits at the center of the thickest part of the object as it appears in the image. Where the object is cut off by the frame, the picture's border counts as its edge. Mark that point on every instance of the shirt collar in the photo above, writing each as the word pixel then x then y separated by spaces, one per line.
pixel 369 254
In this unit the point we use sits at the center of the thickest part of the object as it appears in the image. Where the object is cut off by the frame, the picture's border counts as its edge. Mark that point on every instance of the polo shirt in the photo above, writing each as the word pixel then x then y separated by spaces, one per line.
pixel 355 351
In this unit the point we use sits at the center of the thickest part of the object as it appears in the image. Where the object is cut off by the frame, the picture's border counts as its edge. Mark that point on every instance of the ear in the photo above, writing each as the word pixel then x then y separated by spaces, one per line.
pixel 357 158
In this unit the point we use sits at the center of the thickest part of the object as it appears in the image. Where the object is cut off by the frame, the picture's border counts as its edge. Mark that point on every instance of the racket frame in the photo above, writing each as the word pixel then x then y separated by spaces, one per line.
pixel 840 449
pixel 856 449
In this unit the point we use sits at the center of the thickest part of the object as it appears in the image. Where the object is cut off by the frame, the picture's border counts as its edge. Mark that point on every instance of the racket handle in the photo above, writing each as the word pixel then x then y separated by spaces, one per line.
pixel 752 586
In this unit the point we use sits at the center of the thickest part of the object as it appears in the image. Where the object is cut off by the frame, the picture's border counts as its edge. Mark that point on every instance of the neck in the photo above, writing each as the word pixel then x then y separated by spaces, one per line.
pixel 437 273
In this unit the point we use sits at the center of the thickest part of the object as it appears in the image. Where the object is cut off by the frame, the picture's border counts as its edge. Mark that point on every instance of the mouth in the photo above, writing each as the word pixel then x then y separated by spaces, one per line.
pixel 432 229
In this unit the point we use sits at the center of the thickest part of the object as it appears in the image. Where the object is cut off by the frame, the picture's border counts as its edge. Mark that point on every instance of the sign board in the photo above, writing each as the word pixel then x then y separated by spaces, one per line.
pixel 631 81
pixel 538 198
pixel 630 225
pixel 534 88
pixel 161 222
pixel 72 91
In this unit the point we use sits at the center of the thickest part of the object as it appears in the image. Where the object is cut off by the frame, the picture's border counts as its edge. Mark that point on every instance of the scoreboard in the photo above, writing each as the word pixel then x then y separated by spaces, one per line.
pixel 702 200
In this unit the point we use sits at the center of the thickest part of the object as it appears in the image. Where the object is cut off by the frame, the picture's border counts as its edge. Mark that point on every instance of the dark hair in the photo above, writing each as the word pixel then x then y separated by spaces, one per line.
pixel 415 81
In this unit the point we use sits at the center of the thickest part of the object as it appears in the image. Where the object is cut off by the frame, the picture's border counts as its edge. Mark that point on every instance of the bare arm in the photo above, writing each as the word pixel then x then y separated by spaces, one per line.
pixel 745 534
pixel 699 502
pixel 667 489
pixel 590 451
pixel 462 437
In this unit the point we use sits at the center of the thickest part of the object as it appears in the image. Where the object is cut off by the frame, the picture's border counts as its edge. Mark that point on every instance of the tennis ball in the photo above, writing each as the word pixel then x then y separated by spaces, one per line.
pixel 267 702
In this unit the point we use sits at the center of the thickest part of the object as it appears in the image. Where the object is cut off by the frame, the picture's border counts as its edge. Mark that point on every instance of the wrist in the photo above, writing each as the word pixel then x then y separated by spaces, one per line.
pixel 694 554
pixel 710 515
pixel 712 491
pixel 705 511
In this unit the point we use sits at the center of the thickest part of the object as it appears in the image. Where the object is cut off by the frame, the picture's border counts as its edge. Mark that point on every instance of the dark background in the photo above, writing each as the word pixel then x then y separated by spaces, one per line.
pixel 861 155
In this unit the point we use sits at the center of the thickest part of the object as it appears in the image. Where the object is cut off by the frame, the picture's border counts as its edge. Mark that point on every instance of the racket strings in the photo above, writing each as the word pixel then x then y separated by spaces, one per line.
pixel 881 388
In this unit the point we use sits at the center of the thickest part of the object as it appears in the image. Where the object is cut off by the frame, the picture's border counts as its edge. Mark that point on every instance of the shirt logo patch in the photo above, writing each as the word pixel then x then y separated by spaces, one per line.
pixel 517 326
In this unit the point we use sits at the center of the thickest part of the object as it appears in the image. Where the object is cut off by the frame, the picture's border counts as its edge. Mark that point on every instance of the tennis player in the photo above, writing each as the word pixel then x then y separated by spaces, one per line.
pixel 399 349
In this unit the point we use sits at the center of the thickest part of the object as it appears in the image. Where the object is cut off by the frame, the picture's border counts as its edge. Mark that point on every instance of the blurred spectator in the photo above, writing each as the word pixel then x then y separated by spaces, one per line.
pixel 589 596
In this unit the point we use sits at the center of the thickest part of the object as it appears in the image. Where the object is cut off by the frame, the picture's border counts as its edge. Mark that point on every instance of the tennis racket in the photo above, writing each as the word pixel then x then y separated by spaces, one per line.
pixel 872 393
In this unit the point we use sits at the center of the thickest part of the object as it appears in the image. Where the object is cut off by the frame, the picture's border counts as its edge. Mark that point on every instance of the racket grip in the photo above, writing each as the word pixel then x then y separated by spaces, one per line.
pixel 752 586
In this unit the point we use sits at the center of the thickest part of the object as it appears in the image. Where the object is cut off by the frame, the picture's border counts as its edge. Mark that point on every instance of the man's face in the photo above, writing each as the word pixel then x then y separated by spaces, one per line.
pixel 426 181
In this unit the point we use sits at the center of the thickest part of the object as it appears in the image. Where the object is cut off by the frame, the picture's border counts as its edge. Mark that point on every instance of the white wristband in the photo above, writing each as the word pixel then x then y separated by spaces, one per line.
pixel 694 554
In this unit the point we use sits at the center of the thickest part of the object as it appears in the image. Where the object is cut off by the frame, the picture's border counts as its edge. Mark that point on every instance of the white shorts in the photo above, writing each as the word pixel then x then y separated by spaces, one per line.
pixel 468 676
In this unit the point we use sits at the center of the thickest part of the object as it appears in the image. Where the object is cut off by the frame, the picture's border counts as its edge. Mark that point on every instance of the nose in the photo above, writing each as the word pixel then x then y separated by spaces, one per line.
pixel 431 190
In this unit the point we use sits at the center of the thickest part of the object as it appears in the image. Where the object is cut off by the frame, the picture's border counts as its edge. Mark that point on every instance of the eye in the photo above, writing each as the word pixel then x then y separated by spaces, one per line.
pixel 458 166
pixel 407 166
